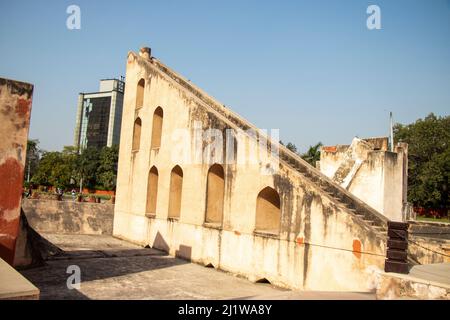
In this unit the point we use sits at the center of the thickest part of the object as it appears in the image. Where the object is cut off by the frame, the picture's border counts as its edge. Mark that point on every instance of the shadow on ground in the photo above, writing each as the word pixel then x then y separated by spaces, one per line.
pixel 99 266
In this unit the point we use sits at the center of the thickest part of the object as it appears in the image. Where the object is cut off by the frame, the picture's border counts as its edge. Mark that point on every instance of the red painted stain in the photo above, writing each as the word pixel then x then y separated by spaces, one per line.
pixel 11 175
pixel 357 248
pixel 300 240
pixel 329 148
pixel 23 107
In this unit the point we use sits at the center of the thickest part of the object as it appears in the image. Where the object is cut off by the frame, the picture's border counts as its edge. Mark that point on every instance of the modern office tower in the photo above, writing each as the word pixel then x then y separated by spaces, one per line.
pixel 99 115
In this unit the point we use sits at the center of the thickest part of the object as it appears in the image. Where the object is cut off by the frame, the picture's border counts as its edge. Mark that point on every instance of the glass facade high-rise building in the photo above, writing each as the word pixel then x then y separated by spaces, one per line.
pixel 99 115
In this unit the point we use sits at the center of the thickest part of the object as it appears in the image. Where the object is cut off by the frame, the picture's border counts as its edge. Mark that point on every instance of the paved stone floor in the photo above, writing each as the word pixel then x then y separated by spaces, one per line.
pixel 115 269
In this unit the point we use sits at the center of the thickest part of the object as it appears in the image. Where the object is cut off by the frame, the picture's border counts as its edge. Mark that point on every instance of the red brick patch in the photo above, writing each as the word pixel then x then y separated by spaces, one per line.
pixel 22 107
pixel 329 149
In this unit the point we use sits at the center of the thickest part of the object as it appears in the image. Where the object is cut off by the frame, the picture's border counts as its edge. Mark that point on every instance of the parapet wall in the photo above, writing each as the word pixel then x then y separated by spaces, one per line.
pixel 69 217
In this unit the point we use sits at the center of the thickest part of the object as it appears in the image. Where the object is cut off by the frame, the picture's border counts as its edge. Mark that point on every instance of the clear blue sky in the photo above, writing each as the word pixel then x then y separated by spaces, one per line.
pixel 310 68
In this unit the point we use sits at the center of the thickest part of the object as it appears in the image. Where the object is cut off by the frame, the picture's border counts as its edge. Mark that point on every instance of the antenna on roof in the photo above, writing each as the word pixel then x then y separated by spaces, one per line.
pixel 391 129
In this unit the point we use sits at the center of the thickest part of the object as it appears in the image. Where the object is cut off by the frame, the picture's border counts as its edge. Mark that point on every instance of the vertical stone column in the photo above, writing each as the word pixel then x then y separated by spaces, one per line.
pixel 15 111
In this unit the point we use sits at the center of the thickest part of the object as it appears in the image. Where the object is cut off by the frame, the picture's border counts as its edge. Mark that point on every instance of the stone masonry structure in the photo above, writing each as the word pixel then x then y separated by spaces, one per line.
pixel 15 112
pixel 367 169
pixel 190 183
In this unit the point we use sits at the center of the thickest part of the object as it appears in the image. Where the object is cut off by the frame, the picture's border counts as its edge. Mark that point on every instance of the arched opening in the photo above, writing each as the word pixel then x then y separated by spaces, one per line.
pixel 176 187
pixel 152 190
pixel 268 211
pixel 157 127
pixel 263 280
pixel 140 93
pixel 137 134
pixel 215 194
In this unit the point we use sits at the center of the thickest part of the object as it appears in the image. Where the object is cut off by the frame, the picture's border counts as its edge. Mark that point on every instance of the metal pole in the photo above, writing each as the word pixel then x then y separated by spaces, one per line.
pixel 28 173
pixel 391 131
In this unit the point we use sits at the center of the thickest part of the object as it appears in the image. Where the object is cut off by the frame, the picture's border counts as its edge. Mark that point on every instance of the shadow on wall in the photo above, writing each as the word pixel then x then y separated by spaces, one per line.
pixel 160 243
pixel 31 248
pixel 183 252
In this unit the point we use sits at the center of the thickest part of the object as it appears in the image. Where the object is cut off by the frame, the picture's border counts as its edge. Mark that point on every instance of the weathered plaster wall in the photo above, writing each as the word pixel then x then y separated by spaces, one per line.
pixel 69 217
pixel 378 182
pixel 15 111
pixel 331 157
pixel 321 244
pixel 400 286
pixel 429 250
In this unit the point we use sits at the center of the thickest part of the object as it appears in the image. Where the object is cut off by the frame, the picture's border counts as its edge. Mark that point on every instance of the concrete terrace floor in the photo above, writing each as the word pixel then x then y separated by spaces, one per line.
pixel 116 269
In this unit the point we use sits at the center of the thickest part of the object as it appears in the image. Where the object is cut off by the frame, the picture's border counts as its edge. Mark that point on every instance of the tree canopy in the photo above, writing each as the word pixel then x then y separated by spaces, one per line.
pixel 32 158
pixel 313 154
pixel 429 160
pixel 94 168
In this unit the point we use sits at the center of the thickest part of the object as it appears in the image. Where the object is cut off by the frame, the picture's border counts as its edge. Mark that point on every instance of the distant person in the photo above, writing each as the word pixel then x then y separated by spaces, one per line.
pixel 74 195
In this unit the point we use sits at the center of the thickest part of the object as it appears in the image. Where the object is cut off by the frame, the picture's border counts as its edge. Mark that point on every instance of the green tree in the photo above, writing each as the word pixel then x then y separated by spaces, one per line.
pixel 107 169
pixel 53 170
pixel 429 160
pixel 86 167
pixel 32 159
pixel 292 147
pixel 313 154
pixel 44 169
pixel 70 157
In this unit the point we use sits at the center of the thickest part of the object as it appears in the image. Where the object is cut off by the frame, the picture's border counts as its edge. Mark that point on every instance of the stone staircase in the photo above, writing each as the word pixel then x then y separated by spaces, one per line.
pixel 369 216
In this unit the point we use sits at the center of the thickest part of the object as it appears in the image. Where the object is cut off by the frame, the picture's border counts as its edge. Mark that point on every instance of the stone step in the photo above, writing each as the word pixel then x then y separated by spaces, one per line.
pixel 356 212
pixel 349 205
pixel 334 195
pixel 332 192
pixel 293 163
pixel 380 229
